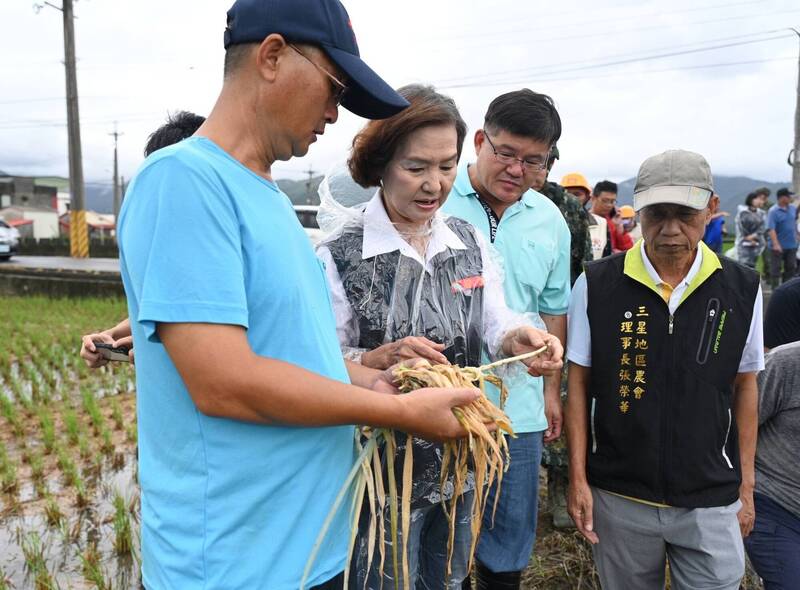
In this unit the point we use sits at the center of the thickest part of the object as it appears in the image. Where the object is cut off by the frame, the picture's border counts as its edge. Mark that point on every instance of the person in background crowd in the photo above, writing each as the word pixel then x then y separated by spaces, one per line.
pixel 715 231
pixel 575 215
pixel 629 222
pixel 782 231
pixel 766 255
pixel 178 127
pixel 774 544
pixel 576 184
pixel 782 320
pixel 604 201
pixel 391 267
pixel 493 194
pixel 751 226
pixel 245 405
pixel 665 342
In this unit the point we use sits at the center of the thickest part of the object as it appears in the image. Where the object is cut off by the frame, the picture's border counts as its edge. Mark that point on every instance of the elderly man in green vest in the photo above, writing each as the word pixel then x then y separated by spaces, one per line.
pixel 665 341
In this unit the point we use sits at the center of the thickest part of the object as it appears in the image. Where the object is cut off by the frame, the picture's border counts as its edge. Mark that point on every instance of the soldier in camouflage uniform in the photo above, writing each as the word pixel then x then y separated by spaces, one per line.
pixel 554 455
pixel 575 215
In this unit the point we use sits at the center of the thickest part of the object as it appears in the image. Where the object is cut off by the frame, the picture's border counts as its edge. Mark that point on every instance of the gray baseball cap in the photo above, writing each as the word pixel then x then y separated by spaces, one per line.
pixel 676 177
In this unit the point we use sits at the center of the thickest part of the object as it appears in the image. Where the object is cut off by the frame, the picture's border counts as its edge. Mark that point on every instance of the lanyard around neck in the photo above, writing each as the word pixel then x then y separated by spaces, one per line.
pixel 494 220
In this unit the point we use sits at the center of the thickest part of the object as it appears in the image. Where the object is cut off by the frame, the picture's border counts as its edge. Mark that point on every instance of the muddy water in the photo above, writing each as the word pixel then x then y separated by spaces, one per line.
pixel 23 513
pixel 81 528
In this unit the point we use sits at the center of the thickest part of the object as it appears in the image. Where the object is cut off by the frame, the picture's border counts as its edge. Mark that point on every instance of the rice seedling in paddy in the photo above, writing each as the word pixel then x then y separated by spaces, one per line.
pixel 108 444
pixel 9 411
pixel 52 512
pixel 8 471
pixel 35 562
pixel 132 432
pixel 47 428
pixel 36 462
pixel 123 535
pixel 81 494
pixel 92 569
pixel 84 449
pixel 5 581
pixel 92 409
pixel 66 465
pixel 71 425
pixel 116 414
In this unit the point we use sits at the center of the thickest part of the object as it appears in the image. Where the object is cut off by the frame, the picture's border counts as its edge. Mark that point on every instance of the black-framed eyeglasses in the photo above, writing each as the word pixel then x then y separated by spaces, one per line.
pixel 534 164
pixel 338 88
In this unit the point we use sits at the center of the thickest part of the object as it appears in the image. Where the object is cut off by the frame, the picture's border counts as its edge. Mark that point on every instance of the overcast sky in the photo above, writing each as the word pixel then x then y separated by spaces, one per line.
pixel 139 60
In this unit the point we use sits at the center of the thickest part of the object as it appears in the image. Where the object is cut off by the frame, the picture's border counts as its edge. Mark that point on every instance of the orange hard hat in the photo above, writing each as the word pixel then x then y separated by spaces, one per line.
pixel 627 212
pixel 575 179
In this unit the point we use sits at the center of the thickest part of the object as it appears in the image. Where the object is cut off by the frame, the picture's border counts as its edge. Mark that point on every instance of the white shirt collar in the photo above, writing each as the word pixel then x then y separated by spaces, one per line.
pixel 381 236
pixel 693 270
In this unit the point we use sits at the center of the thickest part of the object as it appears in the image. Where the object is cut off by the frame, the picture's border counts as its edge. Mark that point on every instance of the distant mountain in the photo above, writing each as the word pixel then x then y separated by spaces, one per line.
pixel 732 190
pixel 99 198
pixel 301 192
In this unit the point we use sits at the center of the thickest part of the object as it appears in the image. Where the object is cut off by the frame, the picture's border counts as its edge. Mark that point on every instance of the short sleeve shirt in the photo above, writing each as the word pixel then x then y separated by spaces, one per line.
pixel 534 242
pixel 783 221
pixel 225 503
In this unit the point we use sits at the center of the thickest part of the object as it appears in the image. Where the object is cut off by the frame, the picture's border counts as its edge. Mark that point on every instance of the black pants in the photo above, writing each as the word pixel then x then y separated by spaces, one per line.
pixel 336 583
pixel 787 259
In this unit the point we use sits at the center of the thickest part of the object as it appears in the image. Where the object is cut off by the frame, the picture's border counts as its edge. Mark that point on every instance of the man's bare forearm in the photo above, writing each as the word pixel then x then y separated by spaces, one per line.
pixel 226 379
pixel 774 237
pixel 121 330
pixel 576 422
pixel 745 408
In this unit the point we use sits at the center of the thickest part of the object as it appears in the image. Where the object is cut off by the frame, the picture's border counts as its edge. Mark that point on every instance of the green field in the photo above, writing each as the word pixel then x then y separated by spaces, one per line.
pixel 68 497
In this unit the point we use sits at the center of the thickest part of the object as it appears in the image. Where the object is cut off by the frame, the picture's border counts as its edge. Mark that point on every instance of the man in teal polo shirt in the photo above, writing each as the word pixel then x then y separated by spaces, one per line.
pixel 530 233
pixel 243 398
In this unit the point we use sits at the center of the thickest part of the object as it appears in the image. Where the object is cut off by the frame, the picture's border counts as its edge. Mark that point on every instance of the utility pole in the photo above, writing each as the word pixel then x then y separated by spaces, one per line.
pixel 794 155
pixel 117 187
pixel 78 234
pixel 310 173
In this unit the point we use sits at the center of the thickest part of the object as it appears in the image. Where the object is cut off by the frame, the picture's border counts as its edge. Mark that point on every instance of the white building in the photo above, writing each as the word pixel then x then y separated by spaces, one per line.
pixel 45 221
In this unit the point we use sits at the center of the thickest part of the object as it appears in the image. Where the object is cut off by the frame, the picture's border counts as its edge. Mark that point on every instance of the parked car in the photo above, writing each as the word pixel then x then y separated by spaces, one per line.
pixel 9 240
pixel 307 214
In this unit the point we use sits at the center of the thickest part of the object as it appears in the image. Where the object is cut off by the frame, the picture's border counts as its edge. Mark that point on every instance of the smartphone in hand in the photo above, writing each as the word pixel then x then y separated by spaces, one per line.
pixel 113 354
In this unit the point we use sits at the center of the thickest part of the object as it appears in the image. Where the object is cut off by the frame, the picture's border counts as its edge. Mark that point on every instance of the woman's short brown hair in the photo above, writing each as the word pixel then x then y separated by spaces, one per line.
pixel 375 145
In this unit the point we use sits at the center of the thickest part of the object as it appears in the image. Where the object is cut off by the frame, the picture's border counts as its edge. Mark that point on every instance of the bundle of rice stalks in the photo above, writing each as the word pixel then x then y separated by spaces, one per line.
pixel 483 451
pixel 486 453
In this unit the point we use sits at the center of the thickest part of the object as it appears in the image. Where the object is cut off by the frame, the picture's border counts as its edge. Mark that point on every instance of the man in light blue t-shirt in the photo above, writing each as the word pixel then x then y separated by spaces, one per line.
pixel 530 233
pixel 243 398
pixel 782 234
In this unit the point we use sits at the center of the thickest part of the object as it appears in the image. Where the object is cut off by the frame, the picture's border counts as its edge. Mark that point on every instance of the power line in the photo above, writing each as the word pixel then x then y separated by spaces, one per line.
pixel 535 39
pixel 558 65
pixel 622 73
pixel 614 63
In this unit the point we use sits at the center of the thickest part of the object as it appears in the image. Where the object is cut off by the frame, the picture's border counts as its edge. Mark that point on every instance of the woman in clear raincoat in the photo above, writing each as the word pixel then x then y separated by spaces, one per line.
pixel 751 227
pixel 408 282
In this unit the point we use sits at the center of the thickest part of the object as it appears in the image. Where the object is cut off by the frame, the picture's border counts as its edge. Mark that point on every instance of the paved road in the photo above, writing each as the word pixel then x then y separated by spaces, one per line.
pixel 63 263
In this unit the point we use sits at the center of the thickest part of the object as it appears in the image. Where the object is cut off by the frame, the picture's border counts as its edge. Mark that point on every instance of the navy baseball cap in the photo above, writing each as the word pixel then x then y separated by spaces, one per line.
pixel 323 23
